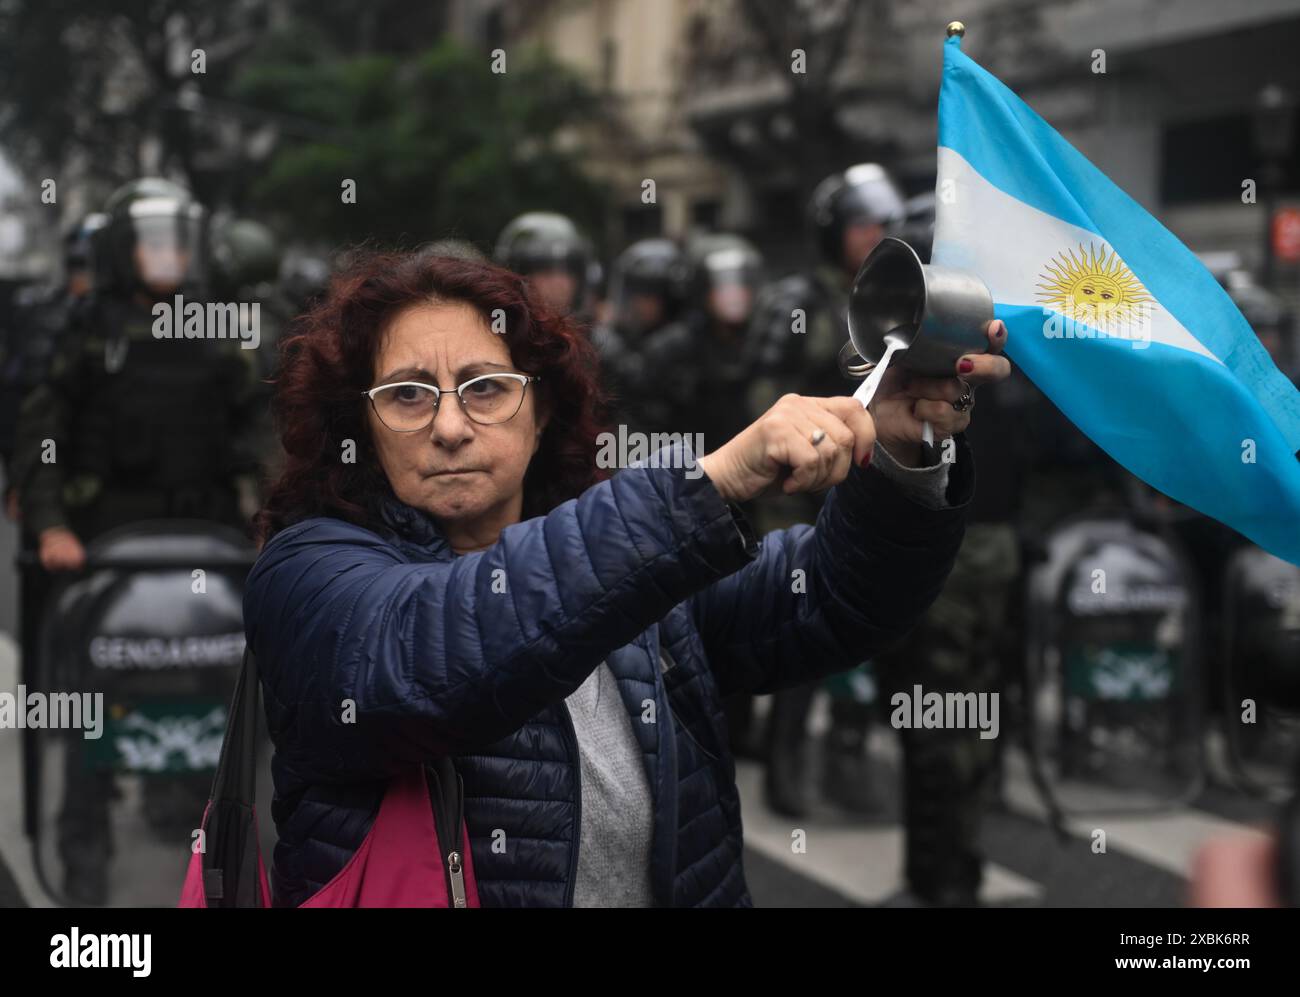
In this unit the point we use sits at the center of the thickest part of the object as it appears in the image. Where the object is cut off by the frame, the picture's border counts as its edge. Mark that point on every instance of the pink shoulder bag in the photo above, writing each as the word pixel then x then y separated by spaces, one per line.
pixel 416 854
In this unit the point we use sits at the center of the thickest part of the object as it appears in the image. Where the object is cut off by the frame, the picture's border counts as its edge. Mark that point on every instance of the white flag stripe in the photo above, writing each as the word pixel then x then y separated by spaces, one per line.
pixel 1011 253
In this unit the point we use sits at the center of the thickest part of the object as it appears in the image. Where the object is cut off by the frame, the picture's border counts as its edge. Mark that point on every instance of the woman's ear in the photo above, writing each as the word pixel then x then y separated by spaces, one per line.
pixel 543 419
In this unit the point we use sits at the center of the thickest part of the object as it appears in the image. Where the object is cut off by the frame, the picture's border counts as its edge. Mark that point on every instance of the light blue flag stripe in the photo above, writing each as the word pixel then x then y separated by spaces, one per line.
pixel 1019 153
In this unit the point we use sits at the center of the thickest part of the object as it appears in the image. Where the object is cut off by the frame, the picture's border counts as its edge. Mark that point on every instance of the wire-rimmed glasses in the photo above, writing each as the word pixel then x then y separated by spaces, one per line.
pixel 489 399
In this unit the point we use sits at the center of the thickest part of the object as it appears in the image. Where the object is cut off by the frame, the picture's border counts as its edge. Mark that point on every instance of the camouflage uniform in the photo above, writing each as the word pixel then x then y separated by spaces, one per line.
pixel 957 647
pixel 802 326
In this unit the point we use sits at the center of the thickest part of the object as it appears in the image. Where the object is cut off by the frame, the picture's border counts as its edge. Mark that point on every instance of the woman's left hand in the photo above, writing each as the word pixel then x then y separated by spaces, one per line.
pixel 905 402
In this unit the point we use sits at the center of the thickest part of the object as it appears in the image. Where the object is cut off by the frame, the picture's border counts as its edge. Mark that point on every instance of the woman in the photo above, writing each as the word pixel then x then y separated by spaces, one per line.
pixel 462 580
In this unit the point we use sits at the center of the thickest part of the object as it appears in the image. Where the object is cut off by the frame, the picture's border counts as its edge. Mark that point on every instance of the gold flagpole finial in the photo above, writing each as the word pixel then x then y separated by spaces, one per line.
pixel 956 28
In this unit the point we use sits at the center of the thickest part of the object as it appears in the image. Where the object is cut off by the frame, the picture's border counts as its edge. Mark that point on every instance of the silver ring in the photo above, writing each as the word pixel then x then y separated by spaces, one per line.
pixel 966 400
pixel 818 436
pixel 851 364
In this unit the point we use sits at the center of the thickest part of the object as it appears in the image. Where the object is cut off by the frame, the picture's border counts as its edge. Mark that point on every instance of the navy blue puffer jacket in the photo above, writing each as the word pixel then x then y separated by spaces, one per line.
pixel 472 656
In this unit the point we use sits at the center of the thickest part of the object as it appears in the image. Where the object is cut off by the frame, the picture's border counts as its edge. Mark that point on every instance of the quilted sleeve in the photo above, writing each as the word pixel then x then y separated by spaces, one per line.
pixel 370 662
pixel 823 599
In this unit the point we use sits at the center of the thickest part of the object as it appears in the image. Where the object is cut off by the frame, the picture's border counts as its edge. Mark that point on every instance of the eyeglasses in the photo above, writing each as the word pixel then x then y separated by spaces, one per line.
pixel 409 406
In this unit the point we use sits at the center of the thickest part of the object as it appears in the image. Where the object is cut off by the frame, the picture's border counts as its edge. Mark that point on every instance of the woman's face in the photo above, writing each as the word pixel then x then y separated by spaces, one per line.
pixel 467 475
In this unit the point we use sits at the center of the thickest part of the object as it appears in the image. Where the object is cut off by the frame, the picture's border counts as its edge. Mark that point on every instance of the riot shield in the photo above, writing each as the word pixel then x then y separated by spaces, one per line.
pixel 135 666
pixel 1115 675
pixel 1261 671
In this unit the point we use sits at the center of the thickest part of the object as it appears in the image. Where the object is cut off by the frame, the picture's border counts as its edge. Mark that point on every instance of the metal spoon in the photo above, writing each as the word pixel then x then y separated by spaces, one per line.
pixel 895 342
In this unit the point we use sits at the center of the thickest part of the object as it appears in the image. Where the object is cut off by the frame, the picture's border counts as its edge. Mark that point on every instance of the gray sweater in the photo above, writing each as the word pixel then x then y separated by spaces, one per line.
pixel 614 844
pixel 614 840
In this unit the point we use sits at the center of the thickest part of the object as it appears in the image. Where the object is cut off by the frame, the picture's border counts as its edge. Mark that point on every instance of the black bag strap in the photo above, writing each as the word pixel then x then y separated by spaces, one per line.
pixel 230 865
pixel 236 777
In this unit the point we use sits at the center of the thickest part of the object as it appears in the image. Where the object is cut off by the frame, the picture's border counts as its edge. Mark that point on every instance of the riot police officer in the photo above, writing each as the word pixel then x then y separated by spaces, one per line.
pixel 245 258
pixel 548 249
pixel 131 425
pixel 803 323
pixel 245 268
pixel 647 290
pixel 304 276
pixel 695 372
pixel 41 315
pixel 647 287
pixel 802 327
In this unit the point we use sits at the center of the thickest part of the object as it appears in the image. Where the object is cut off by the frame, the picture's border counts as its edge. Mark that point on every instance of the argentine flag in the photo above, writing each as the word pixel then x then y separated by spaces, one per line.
pixel 1112 317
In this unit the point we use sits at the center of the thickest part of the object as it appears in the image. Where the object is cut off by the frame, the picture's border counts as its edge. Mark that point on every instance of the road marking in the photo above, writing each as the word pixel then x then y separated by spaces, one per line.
pixel 15 849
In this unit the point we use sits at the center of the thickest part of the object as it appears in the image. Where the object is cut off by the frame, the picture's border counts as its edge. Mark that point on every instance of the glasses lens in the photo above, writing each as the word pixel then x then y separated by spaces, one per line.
pixel 494 398
pixel 405 407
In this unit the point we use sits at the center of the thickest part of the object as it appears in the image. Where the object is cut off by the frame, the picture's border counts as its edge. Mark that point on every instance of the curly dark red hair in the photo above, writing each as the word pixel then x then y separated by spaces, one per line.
pixel 328 362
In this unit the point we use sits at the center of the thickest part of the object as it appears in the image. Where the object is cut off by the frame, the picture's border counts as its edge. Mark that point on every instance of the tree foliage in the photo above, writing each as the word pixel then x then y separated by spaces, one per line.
pixel 296 97
pixel 436 143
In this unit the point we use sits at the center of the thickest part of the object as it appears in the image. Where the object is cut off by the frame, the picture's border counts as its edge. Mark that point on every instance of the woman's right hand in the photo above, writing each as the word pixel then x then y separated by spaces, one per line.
pixel 778 447
pixel 60 550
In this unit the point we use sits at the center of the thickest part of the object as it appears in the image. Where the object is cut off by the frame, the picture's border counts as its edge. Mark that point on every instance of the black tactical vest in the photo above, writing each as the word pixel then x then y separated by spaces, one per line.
pixel 156 413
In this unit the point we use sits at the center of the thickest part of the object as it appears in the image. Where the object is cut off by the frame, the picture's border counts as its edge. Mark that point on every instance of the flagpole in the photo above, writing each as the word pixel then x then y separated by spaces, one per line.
pixel 927 430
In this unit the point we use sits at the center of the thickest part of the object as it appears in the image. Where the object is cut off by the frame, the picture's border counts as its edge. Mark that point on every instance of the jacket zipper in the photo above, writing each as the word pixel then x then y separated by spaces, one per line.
pixel 454 867
pixel 572 736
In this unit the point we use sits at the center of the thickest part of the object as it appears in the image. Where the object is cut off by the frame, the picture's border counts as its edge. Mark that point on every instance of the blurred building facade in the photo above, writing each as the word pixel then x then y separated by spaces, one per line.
pixel 630 52
pixel 708 98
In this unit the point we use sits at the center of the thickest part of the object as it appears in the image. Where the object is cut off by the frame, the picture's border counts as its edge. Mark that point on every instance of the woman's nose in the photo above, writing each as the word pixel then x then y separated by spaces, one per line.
pixel 450 426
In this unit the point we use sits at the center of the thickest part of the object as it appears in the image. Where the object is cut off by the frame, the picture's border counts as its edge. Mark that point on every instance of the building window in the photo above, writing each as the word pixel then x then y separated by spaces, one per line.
pixel 1207 160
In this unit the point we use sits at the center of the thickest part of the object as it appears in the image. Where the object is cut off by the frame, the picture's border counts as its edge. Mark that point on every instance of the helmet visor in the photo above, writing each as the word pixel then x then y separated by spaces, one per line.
pixel 165 246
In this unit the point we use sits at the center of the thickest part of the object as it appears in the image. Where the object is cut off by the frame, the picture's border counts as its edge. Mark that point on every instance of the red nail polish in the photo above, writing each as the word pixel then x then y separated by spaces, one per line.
pixel 966 366
pixel 866 461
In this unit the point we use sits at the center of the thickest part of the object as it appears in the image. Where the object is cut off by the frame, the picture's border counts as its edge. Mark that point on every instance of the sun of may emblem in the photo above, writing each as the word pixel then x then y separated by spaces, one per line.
pixel 1094 287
